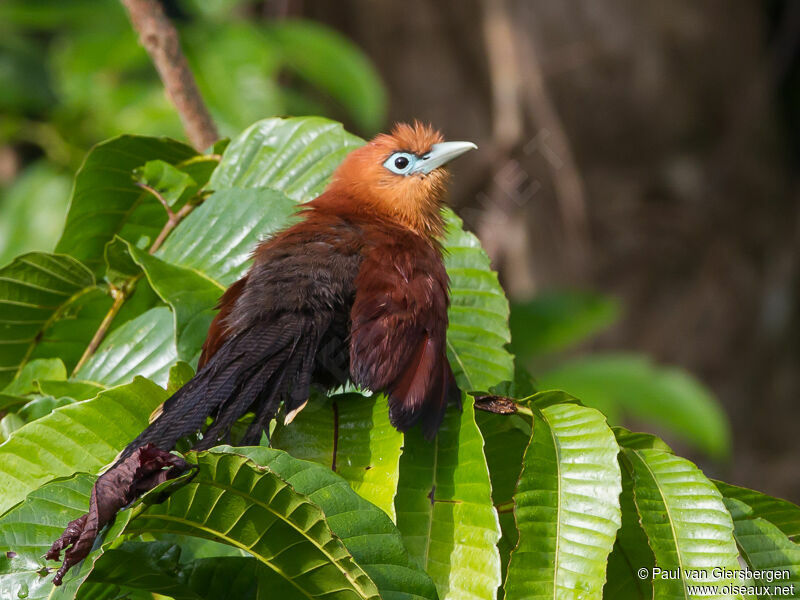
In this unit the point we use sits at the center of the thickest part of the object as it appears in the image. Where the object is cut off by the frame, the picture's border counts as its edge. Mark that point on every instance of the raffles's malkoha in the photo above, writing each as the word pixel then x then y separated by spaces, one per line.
pixel 356 289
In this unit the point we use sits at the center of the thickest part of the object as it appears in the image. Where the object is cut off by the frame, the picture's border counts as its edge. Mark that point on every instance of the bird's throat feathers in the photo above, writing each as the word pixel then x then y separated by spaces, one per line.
pixel 414 201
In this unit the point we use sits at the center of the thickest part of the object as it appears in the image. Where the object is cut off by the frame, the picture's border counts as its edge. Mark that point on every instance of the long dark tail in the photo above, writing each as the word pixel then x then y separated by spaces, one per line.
pixel 256 369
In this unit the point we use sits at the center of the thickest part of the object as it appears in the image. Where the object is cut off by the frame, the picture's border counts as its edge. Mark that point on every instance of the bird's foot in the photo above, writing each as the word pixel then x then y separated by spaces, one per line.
pixel 140 472
pixel 499 405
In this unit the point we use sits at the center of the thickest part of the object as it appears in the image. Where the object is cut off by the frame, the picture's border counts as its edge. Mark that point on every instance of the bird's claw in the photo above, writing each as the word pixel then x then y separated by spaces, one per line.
pixel 499 405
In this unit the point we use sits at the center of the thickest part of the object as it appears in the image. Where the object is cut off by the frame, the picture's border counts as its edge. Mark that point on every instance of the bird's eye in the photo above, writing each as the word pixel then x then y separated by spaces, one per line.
pixel 400 162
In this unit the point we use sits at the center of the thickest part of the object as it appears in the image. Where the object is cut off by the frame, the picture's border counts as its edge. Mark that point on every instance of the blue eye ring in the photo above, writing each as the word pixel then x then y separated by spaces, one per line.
pixel 400 163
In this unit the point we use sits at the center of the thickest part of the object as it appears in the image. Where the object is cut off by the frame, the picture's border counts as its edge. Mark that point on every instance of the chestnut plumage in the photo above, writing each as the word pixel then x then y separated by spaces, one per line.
pixel 355 290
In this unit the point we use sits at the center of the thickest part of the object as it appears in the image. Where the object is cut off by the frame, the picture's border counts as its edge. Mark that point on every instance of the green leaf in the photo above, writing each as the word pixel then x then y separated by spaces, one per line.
pixel 75 389
pixel 171 183
pixel 28 529
pixel 505 439
pixel 781 513
pixel 9 424
pixel 295 156
pixel 478 331
pixel 120 267
pixel 231 577
pixel 150 566
pixel 154 567
pixel 554 321
pixel 28 379
pixel 766 550
pixel 330 62
pixel 663 396
pixel 234 501
pixel 218 237
pixel 636 440
pixel 365 530
pixel 191 296
pixel 79 437
pixel 106 200
pixel 352 435
pixel 686 522
pixel 143 346
pixel 444 508
pixel 41 406
pixel 36 291
pixel 566 505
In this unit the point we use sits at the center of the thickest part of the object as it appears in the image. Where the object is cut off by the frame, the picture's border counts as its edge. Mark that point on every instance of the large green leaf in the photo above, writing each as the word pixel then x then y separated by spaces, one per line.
pixel 478 331
pixel 28 529
pixel 74 389
pixel 767 551
pixel 191 296
pixel 365 530
pixel 566 504
pixel 155 567
pixel 781 513
pixel 444 508
pixel 219 236
pixel 79 437
pixel 686 522
pixel 28 382
pixel 36 291
pixel 352 435
pixel 142 346
pixel 505 439
pixel 252 508
pixel 151 566
pixel 28 379
pixel 173 185
pixel 106 201
pixel 295 156
pixel 632 385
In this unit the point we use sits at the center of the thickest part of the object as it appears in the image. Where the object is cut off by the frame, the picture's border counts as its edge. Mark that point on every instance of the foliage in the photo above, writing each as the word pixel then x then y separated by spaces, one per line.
pixel 73 74
pixel 547 502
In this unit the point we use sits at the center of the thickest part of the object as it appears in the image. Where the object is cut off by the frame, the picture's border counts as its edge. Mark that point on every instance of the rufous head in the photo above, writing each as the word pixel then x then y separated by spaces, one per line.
pixel 402 175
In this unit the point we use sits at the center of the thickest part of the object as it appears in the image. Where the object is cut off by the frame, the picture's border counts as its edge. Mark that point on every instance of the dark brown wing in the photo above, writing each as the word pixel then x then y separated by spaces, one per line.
pixel 398 333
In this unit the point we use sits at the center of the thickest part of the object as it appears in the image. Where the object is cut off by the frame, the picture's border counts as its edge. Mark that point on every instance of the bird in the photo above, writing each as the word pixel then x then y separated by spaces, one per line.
pixel 355 290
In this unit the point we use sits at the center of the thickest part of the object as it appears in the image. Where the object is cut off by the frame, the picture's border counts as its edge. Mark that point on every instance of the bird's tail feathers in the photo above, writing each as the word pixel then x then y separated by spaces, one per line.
pixel 254 370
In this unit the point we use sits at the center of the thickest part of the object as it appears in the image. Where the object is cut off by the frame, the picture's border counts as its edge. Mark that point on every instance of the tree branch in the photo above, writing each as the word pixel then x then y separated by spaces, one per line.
pixel 160 39
pixel 119 295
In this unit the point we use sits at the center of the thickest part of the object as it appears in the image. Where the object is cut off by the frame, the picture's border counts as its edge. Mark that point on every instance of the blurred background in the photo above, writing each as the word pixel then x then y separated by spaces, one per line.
pixel 636 189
